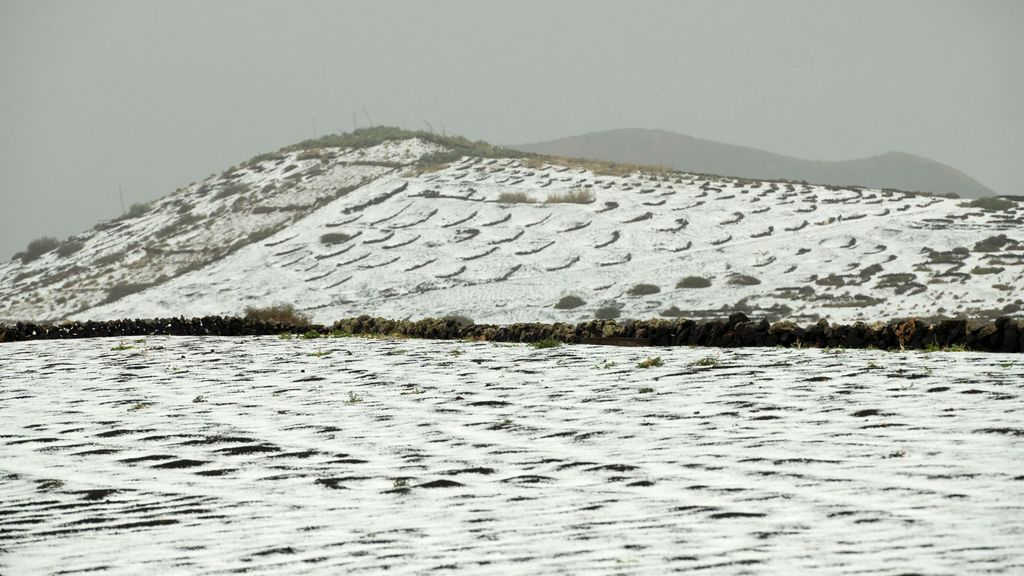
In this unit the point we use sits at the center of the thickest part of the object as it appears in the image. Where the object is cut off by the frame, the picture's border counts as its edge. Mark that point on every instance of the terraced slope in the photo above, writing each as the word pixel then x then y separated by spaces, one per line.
pixel 491 240
pixel 191 228
pixel 328 456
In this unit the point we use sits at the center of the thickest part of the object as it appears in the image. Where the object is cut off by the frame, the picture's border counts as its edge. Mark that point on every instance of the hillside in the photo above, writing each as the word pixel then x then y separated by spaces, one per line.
pixel 412 225
pixel 895 170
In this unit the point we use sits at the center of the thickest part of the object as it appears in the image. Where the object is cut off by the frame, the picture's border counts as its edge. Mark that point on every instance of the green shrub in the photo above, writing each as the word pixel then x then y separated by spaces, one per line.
pixel 693 282
pixel 643 290
pixel 607 313
pixel 137 210
pixel 332 238
pixel 569 302
pixel 70 247
pixel 575 196
pixel 280 313
pixel 991 204
pixel 743 280
pixel 515 198
pixel 37 248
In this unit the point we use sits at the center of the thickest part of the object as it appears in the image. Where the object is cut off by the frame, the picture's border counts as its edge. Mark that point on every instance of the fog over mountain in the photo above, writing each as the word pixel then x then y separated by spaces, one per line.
pixel 897 170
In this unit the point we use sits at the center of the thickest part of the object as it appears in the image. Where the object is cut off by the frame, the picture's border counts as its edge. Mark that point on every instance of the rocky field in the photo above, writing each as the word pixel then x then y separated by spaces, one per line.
pixel 351 455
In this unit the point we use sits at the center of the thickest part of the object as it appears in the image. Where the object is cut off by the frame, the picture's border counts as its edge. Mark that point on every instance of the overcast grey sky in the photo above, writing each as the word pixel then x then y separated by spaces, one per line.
pixel 155 95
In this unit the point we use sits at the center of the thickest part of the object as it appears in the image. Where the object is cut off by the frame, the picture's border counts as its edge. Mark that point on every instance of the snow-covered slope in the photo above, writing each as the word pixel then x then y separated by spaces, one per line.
pixel 414 243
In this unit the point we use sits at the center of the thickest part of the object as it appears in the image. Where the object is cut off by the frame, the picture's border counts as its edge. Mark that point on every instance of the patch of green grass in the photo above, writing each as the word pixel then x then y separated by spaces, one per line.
pixel 286 336
pixel 706 362
pixel 401 483
pixel 310 335
pixel 123 346
pixel 933 347
pixel 139 406
pixel 645 390
pixel 651 363
pixel 456 352
pixel 548 342
pixel 320 353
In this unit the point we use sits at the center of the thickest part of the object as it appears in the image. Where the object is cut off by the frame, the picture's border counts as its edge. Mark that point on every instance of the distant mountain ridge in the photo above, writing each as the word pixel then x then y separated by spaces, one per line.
pixel 897 170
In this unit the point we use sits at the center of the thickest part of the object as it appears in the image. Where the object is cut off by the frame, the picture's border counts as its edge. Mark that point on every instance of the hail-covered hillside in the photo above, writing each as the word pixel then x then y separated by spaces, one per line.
pixel 343 231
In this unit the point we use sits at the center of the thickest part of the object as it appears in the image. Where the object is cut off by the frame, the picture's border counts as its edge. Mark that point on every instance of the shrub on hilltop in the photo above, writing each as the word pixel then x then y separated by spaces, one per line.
pixel 37 248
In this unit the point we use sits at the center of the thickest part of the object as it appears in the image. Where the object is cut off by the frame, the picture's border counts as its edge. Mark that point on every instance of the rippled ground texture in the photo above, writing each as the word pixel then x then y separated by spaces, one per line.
pixel 348 455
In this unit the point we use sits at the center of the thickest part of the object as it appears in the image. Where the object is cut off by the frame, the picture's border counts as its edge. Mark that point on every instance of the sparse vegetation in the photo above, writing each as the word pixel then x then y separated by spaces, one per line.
pixel 515 198
pixel 645 390
pixel 122 289
pixel 231 189
pixel 569 302
pixel 354 398
pixel 574 196
pixel 693 282
pixel 643 290
pixel 285 314
pixel 123 345
pixel 367 137
pixel 706 362
pixel 548 342
pixel 70 247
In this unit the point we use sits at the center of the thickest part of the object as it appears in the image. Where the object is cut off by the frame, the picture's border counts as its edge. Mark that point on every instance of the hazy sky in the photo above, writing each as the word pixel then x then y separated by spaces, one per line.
pixel 155 95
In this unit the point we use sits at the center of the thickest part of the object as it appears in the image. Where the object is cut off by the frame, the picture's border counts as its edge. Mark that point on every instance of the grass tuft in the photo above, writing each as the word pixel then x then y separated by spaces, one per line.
pixel 651 363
